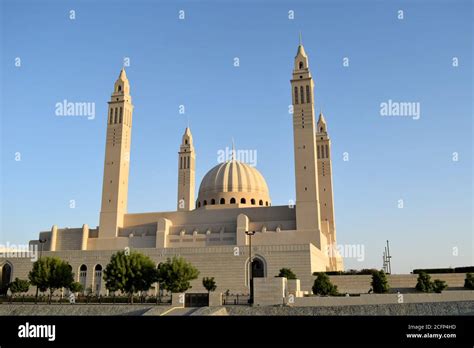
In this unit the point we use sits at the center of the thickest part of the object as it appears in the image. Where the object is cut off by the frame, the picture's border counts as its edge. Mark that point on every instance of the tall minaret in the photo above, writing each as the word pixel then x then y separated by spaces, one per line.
pixel 325 177
pixel 186 165
pixel 326 196
pixel 304 133
pixel 117 159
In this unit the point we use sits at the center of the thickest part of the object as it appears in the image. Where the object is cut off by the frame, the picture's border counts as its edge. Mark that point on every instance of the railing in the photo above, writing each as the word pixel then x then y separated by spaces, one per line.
pixel 92 299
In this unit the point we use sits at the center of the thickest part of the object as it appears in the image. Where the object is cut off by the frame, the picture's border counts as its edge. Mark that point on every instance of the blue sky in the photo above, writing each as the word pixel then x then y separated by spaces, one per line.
pixel 191 62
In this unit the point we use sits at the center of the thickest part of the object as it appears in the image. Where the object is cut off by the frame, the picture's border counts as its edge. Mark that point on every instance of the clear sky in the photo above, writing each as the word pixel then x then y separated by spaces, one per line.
pixel 190 62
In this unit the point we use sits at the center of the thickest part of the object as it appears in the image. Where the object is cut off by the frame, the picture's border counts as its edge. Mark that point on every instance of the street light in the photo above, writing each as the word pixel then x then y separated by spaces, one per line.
pixel 41 241
pixel 250 234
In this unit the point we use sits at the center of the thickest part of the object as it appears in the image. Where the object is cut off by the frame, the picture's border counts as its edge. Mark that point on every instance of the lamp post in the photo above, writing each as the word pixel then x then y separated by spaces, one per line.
pixel 250 234
pixel 41 241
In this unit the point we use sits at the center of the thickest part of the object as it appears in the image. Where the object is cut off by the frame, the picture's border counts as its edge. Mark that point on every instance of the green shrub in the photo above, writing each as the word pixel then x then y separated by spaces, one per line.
pixel 364 271
pixel 464 269
pixel 175 275
pixel 439 285
pixel 286 273
pixel 209 284
pixel 129 272
pixel 330 273
pixel 76 287
pixel 444 270
pixel 379 282
pixel 433 270
pixel 469 281
pixel 19 286
pixel 51 273
pixel 424 283
pixel 323 286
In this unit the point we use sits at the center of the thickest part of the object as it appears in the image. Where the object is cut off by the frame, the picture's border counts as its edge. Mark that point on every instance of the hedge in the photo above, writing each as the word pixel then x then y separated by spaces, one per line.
pixel 444 270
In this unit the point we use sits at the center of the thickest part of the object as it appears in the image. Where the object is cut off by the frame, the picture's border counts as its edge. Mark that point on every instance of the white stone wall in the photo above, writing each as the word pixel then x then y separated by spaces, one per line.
pixel 225 263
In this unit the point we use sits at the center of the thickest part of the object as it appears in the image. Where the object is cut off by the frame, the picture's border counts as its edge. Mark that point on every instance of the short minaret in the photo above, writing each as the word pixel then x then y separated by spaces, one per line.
pixel 117 159
pixel 325 177
pixel 304 134
pixel 186 173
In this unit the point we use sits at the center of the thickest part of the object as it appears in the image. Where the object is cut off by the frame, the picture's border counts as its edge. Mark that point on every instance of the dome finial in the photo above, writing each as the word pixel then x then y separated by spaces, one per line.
pixel 233 150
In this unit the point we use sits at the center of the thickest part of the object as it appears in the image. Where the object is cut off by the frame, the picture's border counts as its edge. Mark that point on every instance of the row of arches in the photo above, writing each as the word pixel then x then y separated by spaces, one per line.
pixel 232 201
pixel 116 116
pixel 96 281
pixel 6 277
pixel 323 151
pixel 300 97
pixel 184 162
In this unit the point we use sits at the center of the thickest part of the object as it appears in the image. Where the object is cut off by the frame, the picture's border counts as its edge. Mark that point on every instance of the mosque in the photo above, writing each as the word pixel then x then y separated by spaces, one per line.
pixel 209 231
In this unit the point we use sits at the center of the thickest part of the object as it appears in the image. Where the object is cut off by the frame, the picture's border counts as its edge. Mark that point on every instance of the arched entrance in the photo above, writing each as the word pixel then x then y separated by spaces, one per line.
pixel 258 268
pixel 5 277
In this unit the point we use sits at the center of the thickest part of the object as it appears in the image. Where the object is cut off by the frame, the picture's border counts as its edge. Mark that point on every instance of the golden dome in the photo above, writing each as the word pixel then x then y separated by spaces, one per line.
pixel 233 182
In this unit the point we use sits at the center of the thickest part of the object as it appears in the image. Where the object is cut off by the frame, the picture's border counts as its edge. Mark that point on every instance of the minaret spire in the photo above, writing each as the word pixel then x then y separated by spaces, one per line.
pixel 304 135
pixel 117 159
pixel 301 40
pixel 233 149
pixel 186 172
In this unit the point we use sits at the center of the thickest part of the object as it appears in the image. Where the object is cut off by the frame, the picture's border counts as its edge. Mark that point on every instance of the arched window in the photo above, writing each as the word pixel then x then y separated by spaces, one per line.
pixel 181 163
pixel 119 88
pixel 296 95
pixel 252 201
pixel 266 203
pixel 116 115
pixel 186 142
pixel 319 152
pixel 222 201
pixel 301 66
pixel 98 278
pixel 327 151
pixel 204 203
pixel 213 201
pixel 83 275
pixel 111 114
pixel 302 94
pixel 121 115
pixel 199 204
pixel 322 151
pixel 260 202
pixel 232 201
pixel 243 201
pixel 308 94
